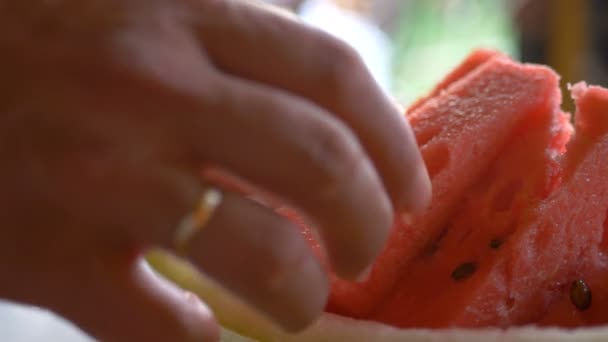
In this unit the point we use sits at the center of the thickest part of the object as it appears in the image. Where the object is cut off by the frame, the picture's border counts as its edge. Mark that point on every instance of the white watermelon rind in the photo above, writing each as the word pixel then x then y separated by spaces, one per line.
pixel 241 324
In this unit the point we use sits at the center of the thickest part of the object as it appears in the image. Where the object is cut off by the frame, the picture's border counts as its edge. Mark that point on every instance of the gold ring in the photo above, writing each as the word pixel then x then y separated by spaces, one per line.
pixel 196 220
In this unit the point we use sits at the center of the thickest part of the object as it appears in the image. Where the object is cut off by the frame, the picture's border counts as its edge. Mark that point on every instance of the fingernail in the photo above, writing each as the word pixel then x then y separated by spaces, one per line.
pixel 423 189
pixel 400 108
pixel 364 276
pixel 197 304
pixel 304 292
pixel 200 323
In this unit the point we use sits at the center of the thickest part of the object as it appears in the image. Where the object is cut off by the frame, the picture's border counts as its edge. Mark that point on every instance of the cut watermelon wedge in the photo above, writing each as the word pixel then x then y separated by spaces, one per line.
pixel 550 264
pixel 439 284
pixel 460 132
pixel 573 224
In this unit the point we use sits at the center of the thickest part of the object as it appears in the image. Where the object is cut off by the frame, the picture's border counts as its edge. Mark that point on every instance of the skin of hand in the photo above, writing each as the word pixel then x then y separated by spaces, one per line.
pixel 109 109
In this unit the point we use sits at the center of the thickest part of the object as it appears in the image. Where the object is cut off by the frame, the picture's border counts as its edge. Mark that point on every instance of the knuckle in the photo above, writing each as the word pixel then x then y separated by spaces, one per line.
pixel 287 259
pixel 344 64
pixel 338 158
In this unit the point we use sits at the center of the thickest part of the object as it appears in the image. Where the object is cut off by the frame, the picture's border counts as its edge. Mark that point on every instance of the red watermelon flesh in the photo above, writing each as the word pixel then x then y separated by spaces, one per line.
pixel 427 295
pixel 559 240
pixel 460 132
pixel 579 234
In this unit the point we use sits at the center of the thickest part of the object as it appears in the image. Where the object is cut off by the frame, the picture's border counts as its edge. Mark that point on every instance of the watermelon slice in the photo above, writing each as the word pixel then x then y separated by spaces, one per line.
pixel 579 233
pixel 551 268
pixel 460 132
pixel 435 289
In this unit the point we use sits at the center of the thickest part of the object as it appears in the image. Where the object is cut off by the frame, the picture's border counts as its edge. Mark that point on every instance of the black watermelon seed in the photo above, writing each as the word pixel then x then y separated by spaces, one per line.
pixel 464 271
pixel 495 243
pixel 434 245
pixel 431 248
pixel 580 294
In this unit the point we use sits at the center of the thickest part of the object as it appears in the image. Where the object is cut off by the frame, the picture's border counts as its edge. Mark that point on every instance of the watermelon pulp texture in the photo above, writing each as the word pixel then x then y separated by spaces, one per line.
pixel 460 131
pixel 576 232
pixel 518 212
pixel 487 221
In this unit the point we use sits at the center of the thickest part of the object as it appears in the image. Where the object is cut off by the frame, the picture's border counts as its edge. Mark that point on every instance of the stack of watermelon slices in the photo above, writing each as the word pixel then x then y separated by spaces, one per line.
pixel 517 231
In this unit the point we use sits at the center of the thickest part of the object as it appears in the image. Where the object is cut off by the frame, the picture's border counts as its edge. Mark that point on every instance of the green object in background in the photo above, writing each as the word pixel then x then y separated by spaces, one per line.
pixel 433 36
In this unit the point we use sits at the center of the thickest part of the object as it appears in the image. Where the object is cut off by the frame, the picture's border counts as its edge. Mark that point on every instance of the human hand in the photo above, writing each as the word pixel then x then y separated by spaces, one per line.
pixel 109 109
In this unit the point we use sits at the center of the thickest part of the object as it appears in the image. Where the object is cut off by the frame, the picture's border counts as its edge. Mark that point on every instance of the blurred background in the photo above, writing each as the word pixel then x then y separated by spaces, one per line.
pixel 409 45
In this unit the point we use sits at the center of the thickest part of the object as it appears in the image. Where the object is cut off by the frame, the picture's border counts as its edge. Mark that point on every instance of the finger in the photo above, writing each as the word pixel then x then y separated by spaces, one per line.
pixel 262 258
pixel 277 50
pixel 118 301
pixel 154 200
pixel 298 152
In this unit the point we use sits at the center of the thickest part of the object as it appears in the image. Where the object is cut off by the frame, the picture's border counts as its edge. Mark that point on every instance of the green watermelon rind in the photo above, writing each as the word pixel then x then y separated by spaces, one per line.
pixel 242 324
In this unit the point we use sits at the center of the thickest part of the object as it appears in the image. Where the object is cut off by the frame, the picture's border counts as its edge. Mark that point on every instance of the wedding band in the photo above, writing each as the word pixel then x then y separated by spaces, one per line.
pixel 196 220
